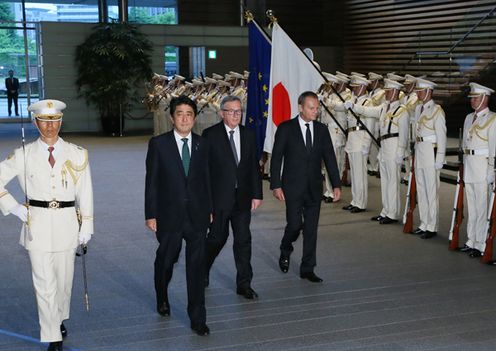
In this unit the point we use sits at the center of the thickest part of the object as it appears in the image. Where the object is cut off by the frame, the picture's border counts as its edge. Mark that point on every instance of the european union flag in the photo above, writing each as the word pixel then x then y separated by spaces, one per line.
pixel 258 83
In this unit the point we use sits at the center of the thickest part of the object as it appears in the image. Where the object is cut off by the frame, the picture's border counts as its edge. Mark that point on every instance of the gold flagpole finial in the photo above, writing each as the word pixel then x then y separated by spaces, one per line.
pixel 270 15
pixel 248 16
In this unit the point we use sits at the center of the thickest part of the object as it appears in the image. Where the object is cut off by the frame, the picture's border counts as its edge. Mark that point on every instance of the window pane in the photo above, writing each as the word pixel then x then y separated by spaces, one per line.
pixel 153 11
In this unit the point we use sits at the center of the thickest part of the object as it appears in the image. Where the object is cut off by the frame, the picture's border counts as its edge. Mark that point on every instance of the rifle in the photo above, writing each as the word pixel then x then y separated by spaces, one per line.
pixel 411 201
pixel 457 218
pixel 491 221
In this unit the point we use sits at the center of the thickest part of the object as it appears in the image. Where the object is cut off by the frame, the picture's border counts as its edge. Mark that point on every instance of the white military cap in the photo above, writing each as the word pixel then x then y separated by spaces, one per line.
pixel 197 81
pixel 246 74
pixel 343 79
pixel 178 77
pixel 477 89
pixel 342 74
pixel 394 76
pixel 392 84
pixel 236 75
pixel 374 76
pixel 358 74
pixel 47 110
pixel 217 76
pixel 331 77
pixel 223 83
pixel 357 81
pixel 189 84
pixel 409 79
pixel 227 76
pixel 209 80
pixel 424 84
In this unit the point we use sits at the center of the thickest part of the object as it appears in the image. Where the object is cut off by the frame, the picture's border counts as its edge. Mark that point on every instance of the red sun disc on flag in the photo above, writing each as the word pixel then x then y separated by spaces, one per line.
pixel 281 106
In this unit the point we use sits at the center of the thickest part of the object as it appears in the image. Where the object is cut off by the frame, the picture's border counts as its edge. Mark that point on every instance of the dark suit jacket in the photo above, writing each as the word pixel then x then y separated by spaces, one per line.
pixel 225 174
pixel 169 194
pixel 9 86
pixel 302 170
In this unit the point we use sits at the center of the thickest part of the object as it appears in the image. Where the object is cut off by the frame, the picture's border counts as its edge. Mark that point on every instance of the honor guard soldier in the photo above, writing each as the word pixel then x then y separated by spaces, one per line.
pixel 430 149
pixel 410 101
pixel 55 175
pixel 358 145
pixel 393 136
pixel 338 138
pixel 377 95
pixel 479 144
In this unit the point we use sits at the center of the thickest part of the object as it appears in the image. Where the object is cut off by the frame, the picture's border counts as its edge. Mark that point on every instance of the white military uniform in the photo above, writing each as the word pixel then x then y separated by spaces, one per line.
pixel 358 147
pixel 51 235
pixel 338 138
pixel 479 144
pixel 430 149
pixel 378 98
pixel 393 134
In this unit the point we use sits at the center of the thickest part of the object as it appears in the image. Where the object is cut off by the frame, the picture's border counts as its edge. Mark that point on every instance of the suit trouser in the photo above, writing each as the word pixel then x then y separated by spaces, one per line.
pixel 167 255
pixel 340 158
pixel 390 189
pixel 359 180
pixel 217 237
pixel 427 195
pixel 52 273
pixel 12 98
pixel 302 214
pixel 477 194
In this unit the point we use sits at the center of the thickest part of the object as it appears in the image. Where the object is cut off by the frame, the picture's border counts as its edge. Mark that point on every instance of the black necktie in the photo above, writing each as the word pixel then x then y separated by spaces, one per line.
pixel 308 138
pixel 233 146
pixel 185 155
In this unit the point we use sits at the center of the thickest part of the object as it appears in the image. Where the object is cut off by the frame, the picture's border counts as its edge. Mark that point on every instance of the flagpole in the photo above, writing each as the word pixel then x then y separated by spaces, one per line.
pixel 273 20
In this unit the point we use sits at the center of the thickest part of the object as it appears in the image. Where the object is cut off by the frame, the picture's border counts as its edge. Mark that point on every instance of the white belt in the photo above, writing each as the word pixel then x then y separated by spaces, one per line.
pixel 476 152
pixel 428 138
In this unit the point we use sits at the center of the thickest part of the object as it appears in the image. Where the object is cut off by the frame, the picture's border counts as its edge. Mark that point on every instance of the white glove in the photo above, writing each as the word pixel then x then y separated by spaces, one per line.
pixel 438 165
pixel 398 160
pixel 21 212
pixel 490 178
pixel 84 238
pixel 348 105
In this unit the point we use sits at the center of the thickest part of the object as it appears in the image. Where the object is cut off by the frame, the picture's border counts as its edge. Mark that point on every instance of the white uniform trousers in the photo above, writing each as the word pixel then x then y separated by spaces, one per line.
pixel 52 279
pixel 408 168
pixel 390 189
pixel 477 202
pixel 340 158
pixel 373 165
pixel 428 199
pixel 359 180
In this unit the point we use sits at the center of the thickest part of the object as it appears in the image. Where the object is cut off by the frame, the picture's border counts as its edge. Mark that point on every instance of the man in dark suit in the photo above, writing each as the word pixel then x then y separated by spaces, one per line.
pixel 302 144
pixel 178 206
pixel 236 190
pixel 12 87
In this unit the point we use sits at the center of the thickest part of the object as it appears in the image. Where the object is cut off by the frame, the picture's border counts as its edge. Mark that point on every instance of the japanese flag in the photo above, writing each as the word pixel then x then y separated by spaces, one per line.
pixel 291 73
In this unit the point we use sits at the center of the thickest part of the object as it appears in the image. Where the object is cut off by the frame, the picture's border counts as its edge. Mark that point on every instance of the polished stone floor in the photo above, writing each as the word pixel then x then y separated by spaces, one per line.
pixel 382 289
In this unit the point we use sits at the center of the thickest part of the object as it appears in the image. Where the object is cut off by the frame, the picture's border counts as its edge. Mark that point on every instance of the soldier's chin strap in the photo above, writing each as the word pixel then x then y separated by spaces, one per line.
pixel 39 130
pixel 480 104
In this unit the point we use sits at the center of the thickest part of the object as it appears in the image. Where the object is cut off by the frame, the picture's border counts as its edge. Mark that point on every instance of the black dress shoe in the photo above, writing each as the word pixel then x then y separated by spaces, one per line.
pixel 465 248
pixel 427 235
pixel 348 207
pixel 357 210
pixel 387 220
pixel 55 346
pixel 329 200
pixel 163 309
pixel 418 231
pixel 63 330
pixel 475 253
pixel 247 293
pixel 200 329
pixel 377 218
pixel 284 263
pixel 311 276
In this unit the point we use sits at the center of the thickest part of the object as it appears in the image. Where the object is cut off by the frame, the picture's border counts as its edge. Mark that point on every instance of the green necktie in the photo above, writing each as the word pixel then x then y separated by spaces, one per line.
pixel 185 155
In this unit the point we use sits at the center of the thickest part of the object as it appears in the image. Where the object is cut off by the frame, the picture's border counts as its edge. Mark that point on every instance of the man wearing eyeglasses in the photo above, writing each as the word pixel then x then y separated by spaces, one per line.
pixel 236 190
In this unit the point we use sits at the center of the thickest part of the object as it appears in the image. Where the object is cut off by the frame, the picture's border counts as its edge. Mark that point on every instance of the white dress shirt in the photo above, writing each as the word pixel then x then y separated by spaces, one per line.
pixel 56 148
pixel 303 128
pixel 180 143
pixel 237 139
